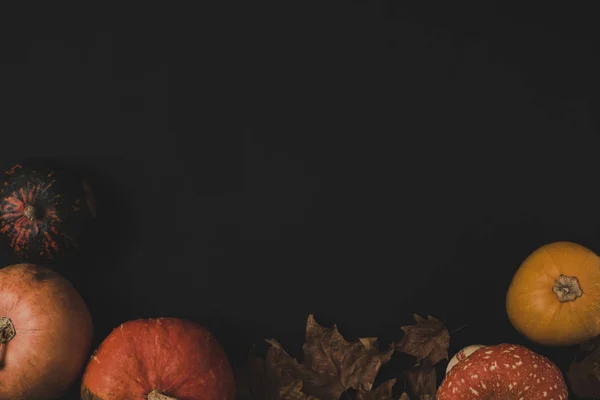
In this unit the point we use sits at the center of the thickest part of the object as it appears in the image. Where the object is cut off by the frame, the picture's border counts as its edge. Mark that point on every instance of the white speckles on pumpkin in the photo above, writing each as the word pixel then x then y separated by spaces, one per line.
pixel 514 380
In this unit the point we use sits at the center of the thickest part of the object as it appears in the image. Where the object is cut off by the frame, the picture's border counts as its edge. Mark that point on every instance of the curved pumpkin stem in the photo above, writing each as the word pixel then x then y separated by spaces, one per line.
pixel 7 330
pixel 157 395
pixel 567 288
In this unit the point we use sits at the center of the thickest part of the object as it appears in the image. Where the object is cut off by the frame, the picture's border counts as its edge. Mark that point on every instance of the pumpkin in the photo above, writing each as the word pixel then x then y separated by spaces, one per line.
pixel 554 296
pixel 503 372
pixel 461 355
pixel 159 359
pixel 45 333
pixel 44 210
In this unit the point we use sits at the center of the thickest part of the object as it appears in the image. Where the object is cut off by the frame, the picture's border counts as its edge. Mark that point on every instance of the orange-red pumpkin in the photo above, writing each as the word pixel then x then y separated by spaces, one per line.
pixel 554 297
pixel 45 333
pixel 159 359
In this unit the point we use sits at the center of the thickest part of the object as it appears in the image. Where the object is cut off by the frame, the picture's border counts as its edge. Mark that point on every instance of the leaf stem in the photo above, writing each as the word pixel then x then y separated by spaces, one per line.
pixel 458 329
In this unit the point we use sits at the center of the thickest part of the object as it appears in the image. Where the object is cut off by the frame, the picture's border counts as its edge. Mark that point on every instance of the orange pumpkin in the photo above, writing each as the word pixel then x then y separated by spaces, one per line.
pixel 554 297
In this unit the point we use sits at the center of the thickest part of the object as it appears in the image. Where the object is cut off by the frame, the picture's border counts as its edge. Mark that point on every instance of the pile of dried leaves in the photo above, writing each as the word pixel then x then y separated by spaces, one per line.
pixel 331 366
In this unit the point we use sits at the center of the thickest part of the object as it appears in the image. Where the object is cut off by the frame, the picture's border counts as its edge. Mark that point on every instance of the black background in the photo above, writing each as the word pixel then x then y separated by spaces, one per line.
pixel 358 160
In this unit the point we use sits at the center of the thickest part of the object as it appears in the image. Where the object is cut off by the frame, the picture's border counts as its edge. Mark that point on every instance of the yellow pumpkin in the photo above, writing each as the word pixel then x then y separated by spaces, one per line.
pixel 554 297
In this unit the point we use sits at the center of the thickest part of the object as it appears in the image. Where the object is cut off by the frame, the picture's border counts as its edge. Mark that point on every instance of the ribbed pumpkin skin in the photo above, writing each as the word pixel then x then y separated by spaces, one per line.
pixel 535 310
pixel 179 358
pixel 44 210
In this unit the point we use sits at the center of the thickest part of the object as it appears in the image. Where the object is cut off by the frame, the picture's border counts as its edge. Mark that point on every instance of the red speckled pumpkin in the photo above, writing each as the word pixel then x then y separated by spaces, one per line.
pixel 159 359
pixel 43 210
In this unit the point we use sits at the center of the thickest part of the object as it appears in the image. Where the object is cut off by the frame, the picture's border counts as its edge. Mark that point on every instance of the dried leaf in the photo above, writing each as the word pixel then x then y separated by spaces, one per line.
pixel 331 365
pixel 428 340
pixel 261 380
pixel 404 396
pixel 383 392
pixel 287 376
pixel 584 375
pixel 421 382
pixel 293 391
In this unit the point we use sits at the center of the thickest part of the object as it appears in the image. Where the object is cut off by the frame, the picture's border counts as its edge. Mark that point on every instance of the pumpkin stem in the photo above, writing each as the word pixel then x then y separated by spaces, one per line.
pixel 567 288
pixel 7 330
pixel 30 212
pixel 157 395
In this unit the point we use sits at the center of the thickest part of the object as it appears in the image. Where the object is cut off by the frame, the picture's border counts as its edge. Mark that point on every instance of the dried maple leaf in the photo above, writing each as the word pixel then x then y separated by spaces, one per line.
pixel 584 375
pixel 421 382
pixel 331 365
pixel 383 392
pixel 428 340
pixel 261 379
pixel 286 375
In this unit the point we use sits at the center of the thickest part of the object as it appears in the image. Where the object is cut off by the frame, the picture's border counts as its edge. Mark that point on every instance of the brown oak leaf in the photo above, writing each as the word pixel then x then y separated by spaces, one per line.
pixel 382 392
pixel 421 382
pixel 331 365
pixel 428 340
